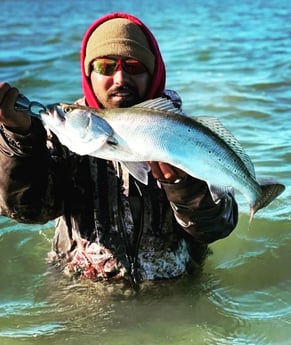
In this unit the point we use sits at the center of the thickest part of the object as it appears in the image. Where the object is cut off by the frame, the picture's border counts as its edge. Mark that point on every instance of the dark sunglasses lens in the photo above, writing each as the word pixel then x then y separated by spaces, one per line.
pixel 132 66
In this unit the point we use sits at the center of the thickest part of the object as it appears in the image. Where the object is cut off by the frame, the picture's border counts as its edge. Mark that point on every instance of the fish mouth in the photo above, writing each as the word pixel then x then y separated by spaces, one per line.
pixel 53 112
pixel 50 109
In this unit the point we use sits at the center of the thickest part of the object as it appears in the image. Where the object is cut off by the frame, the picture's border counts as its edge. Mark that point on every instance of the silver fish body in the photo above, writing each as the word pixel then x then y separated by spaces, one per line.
pixel 157 131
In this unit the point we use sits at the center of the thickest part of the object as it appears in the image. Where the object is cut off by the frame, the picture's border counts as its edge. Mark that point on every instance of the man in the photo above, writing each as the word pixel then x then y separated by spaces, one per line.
pixel 108 225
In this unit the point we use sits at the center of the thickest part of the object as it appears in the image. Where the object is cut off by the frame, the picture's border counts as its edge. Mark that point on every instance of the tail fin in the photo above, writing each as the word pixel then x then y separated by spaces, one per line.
pixel 269 193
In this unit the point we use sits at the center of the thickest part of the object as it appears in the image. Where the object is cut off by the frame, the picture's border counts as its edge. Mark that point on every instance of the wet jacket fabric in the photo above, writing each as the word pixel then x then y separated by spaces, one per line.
pixel 108 225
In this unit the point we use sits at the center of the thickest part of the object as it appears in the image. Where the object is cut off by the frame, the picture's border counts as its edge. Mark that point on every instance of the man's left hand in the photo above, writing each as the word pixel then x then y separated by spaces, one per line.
pixel 166 172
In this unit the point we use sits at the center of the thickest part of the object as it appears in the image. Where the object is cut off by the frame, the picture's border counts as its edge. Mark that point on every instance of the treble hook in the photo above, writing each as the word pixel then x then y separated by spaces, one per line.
pixel 34 108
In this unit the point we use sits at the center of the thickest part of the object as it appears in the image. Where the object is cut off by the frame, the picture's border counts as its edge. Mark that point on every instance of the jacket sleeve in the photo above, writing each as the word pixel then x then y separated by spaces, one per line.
pixel 31 181
pixel 196 212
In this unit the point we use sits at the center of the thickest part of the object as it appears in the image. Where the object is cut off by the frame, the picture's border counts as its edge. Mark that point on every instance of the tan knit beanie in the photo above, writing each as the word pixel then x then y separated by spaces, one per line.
pixel 119 36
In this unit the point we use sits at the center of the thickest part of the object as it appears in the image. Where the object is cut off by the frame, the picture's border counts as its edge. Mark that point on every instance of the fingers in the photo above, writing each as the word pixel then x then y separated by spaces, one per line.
pixel 4 87
pixel 164 171
pixel 19 122
pixel 8 97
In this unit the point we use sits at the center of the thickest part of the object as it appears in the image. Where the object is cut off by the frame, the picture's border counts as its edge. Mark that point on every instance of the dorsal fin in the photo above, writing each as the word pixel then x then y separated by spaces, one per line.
pixel 217 127
pixel 160 103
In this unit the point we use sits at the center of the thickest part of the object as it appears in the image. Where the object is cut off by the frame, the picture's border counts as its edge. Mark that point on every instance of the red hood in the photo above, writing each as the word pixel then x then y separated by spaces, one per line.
pixel 159 77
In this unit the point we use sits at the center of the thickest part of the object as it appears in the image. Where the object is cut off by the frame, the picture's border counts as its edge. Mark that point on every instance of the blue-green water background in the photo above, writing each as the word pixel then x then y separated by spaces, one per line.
pixel 228 59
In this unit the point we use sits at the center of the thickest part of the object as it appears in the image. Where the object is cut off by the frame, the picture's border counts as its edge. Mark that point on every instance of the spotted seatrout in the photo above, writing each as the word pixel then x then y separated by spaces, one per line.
pixel 157 131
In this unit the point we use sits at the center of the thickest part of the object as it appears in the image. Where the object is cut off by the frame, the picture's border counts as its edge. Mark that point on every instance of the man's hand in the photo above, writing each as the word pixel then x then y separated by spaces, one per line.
pixel 166 172
pixel 16 121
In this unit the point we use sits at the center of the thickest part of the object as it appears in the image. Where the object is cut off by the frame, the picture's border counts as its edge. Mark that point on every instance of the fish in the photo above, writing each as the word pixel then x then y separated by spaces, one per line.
pixel 155 130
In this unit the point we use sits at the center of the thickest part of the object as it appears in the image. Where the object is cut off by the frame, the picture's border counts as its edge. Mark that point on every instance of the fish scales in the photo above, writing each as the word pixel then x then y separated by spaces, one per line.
pixel 181 142
pixel 157 131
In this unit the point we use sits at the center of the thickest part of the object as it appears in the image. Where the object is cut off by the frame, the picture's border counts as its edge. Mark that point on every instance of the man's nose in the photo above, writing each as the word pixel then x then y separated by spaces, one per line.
pixel 119 75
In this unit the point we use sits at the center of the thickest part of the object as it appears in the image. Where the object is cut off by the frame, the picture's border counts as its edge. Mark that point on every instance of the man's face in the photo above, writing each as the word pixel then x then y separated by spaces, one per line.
pixel 122 88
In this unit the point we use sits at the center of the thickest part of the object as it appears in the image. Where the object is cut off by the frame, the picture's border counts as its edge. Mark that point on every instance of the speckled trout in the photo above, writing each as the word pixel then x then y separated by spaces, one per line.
pixel 157 131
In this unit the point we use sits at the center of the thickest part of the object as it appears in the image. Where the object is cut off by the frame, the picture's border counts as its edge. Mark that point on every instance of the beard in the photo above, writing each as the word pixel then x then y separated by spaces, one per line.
pixel 123 96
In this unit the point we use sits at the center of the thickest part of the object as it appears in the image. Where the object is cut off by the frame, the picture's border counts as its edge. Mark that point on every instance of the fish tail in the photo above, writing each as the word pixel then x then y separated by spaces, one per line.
pixel 270 191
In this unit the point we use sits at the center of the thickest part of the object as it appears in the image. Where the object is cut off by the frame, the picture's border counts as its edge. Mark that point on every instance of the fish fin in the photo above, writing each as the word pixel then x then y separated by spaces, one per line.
pixel 270 191
pixel 84 149
pixel 99 125
pixel 139 170
pixel 217 192
pixel 160 103
pixel 217 127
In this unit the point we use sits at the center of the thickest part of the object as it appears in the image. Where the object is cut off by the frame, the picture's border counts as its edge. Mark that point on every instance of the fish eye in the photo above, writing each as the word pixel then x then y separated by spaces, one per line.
pixel 67 109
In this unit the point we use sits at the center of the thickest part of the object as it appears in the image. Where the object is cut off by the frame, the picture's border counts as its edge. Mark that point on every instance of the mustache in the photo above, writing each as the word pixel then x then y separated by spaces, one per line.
pixel 122 88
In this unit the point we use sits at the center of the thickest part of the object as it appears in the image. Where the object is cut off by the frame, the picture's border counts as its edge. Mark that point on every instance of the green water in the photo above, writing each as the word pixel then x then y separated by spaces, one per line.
pixel 226 59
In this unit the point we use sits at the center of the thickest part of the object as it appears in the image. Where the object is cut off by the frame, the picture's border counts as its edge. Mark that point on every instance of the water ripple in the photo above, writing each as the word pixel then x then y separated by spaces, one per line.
pixel 255 305
pixel 230 60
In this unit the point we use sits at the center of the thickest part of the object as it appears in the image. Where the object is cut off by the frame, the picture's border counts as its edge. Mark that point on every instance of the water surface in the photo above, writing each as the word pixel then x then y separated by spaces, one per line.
pixel 226 59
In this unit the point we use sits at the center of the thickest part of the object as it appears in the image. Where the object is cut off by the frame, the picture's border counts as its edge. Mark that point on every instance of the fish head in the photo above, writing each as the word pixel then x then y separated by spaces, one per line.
pixel 77 127
pixel 68 118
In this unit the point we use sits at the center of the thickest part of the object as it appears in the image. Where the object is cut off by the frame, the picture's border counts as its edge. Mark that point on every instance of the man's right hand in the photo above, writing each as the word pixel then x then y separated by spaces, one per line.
pixel 16 121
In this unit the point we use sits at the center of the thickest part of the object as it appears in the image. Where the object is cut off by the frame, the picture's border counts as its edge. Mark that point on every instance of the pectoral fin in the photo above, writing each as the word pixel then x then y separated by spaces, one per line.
pixel 139 170
pixel 91 147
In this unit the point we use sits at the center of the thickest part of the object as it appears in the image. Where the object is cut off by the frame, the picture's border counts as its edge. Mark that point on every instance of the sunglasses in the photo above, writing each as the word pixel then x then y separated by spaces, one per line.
pixel 107 66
